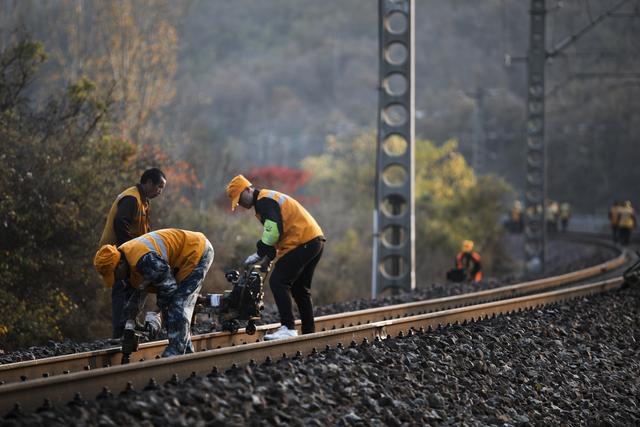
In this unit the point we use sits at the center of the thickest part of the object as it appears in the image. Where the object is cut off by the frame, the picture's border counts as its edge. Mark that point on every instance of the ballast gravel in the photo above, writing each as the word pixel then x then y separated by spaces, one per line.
pixel 567 364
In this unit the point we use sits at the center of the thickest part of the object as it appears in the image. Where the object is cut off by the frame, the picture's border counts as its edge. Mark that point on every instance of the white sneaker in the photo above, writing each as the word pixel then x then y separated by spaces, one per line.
pixel 280 333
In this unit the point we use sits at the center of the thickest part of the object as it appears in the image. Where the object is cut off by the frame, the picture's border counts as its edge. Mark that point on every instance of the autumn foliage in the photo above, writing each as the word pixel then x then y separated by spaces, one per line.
pixel 60 170
pixel 283 179
pixel 181 175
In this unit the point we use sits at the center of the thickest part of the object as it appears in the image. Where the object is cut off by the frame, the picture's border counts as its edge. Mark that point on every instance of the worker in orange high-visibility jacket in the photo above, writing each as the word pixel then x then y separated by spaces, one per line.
pixel 516 217
pixel 613 219
pixel 626 222
pixel 127 219
pixel 293 238
pixel 565 215
pixel 469 261
pixel 171 263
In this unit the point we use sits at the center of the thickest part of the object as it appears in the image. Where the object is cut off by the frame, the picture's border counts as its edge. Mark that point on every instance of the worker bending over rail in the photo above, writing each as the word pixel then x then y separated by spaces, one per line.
pixel 128 218
pixel 293 237
pixel 172 263
pixel 468 261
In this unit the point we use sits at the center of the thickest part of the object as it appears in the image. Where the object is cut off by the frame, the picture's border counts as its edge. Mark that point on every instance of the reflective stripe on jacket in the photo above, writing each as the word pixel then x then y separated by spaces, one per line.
pixel 139 224
pixel 298 226
pixel 182 249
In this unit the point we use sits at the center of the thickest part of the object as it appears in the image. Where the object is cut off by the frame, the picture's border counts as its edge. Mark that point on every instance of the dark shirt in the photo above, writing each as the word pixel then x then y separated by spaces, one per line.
pixel 466 259
pixel 267 209
pixel 127 210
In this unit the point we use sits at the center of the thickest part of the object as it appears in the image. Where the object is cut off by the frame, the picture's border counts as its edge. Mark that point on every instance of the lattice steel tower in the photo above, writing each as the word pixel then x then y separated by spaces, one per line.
pixel 535 189
pixel 394 212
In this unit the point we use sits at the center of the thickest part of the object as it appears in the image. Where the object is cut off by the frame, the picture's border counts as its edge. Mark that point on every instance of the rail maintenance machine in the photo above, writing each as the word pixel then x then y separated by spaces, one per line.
pixel 243 303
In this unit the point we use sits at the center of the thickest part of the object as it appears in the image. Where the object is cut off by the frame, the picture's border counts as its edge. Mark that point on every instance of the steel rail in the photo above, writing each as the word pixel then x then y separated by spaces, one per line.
pixel 60 389
pixel 47 367
pixel 603 238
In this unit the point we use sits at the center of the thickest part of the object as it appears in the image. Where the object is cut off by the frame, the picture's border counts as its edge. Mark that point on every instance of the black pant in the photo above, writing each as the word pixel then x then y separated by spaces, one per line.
pixel 121 292
pixel 624 235
pixel 292 275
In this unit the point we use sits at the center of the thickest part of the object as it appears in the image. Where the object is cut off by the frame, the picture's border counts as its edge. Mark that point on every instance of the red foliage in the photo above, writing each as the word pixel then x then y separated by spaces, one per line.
pixel 283 179
pixel 279 178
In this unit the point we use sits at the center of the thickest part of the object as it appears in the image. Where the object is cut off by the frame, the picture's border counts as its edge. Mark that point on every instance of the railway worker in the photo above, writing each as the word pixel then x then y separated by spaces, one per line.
pixel 515 217
pixel 128 218
pixel 552 214
pixel 534 210
pixel 613 219
pixel 565 215
pixel 172 263
pixel 626 222
pixel 294 239
pixel 468 261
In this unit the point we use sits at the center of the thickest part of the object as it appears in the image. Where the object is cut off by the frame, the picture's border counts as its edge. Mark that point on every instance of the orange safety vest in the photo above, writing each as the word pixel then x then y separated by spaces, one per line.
pixel 298 226
pixel 463 262
pixel 182 249
pixel 139 224
pixel 626 217
pixel 516 214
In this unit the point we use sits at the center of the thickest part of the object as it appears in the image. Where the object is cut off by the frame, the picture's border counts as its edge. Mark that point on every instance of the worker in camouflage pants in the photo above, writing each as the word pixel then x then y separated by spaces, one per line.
pixel 171 262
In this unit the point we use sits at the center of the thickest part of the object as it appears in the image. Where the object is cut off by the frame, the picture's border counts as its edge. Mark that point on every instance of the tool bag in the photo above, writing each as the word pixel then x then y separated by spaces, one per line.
pixel 456 275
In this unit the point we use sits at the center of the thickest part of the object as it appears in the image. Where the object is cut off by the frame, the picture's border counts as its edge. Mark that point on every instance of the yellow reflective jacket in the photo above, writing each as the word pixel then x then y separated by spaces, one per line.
pixel 139 224
pixel 182 249
pixel 298 226
pixel 626 217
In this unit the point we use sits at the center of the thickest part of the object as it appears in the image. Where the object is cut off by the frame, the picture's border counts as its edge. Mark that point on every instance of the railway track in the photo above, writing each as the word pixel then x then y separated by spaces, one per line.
pixel 33 369
pixel 30 383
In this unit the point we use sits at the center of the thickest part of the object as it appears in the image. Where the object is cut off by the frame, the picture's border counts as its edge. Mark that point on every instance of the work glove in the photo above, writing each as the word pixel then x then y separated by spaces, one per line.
pixel 152 324
pixel 130 325
pixel 252 259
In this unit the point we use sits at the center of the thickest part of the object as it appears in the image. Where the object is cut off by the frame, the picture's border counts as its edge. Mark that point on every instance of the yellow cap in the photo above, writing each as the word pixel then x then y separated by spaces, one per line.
pixel 235 187
pixel 467 245
pixel 105 262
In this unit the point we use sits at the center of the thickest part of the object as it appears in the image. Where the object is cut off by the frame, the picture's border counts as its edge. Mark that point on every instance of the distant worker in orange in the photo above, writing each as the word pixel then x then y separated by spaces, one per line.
pixel 613 219
pixel 626 222
pixel 468 261
pixel 552 215
pixel 565 215
pixel 515 217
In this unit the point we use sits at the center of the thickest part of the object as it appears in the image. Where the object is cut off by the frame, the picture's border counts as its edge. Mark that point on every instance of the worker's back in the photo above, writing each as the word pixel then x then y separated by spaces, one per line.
pixel 626 216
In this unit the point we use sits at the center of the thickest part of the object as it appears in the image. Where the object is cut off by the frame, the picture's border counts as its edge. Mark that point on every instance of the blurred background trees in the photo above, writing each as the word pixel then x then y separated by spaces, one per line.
pixel 284 91
pixel 58 162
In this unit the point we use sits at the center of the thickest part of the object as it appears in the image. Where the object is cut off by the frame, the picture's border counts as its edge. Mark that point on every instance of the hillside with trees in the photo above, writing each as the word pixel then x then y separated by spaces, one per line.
pixel 284 91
